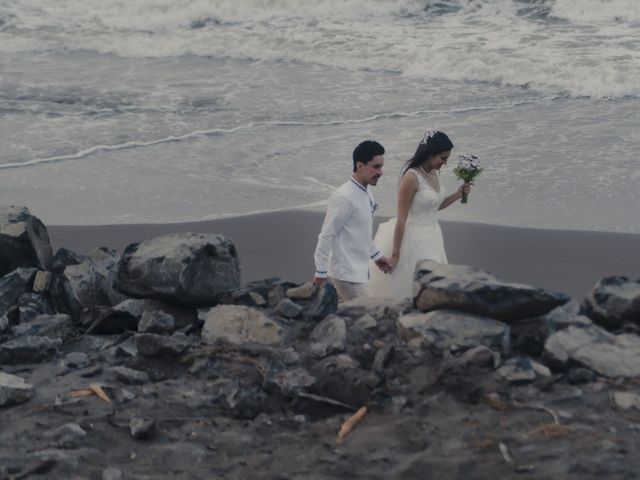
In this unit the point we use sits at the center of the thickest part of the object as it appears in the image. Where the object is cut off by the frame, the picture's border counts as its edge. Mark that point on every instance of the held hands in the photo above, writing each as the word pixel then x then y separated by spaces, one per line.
pixel 464 189
pixel 317 281
pixel 386 264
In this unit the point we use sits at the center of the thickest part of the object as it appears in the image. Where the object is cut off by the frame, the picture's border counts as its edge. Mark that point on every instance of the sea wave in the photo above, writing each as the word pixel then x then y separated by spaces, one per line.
pixel 564 47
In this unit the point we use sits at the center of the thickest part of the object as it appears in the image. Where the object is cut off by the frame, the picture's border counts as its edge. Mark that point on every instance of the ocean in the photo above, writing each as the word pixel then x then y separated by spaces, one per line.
pixel 151 111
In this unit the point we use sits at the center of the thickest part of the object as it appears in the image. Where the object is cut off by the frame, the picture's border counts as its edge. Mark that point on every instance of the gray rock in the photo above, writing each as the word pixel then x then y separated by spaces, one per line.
pixel 28 349
pixel 613 301
pixel 445 328
pixel 112 474
pixel 14 390
pixel 182 316
pixel 577 375
pixel 52 326
pixel 375 307
pixel 365 322
pixel 288 308
pixel 30 305
pixel 239 400
pixel 24 241
pixel 185 268
pixel 595 348
pixel 130 376
pixel 479 356
pixel 154 345
pixel 4 324
pixel 89 284
pixel 239 324
pixel 69 433
pixel 329 336
pixel 322 303
pixel 625 400
pixel 14 284
pixel 519 370
pixel 123 316
pixel 466 289
pixel 156 322
pixel 288 381
pixel 142 428
pixel 74 360
pixel 42 281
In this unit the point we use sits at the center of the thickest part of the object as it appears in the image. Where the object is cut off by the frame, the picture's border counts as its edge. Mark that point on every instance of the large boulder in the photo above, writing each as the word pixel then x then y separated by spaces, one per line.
pixel 186 268
pixel 13 285
pixel 595 348
pixel 24 241
pixel 613 301
pixel 440 286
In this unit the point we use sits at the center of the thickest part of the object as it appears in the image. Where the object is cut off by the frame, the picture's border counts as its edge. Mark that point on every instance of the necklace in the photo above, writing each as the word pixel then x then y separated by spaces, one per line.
pixel 429 174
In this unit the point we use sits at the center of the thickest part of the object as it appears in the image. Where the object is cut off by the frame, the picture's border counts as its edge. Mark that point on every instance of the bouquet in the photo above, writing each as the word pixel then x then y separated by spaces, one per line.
pixel 468 169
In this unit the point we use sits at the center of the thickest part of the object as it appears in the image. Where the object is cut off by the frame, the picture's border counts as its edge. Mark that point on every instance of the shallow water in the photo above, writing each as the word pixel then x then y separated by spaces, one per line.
pixel 180 111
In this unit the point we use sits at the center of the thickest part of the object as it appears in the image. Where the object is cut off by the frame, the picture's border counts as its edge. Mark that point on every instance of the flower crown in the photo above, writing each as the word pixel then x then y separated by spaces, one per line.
pixel 427 135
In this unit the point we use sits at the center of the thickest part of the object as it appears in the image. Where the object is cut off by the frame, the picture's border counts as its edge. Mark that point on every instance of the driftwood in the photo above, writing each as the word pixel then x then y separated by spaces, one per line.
pixel 351 422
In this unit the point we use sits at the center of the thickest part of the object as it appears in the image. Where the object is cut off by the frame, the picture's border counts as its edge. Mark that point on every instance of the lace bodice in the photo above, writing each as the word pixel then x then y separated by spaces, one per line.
pixel 424 208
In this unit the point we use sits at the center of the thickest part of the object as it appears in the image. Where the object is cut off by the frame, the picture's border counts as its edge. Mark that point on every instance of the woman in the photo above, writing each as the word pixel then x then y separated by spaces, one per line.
pixel 415 233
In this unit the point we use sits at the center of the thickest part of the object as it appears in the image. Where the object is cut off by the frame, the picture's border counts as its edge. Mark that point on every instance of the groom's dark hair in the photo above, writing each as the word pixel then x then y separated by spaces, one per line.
pixel 366 151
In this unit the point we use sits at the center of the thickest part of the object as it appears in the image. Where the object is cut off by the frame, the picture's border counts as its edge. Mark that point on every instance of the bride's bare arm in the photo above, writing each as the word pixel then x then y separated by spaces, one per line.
pixel 466 188
pixel 406 191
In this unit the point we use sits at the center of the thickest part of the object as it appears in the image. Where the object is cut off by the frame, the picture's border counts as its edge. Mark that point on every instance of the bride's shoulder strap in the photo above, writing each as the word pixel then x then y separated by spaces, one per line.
pixel 414 173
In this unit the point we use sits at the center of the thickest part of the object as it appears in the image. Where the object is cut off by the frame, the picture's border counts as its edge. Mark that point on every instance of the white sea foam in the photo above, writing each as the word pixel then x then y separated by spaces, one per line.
pixel 561 47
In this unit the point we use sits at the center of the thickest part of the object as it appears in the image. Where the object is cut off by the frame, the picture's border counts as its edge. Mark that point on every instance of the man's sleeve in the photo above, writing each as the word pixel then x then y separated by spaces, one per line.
pixel 375 253
pixel 339 210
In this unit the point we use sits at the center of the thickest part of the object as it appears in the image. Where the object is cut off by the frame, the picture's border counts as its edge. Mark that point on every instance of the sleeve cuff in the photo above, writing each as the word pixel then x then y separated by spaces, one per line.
pixel 376 255
pixel 321 274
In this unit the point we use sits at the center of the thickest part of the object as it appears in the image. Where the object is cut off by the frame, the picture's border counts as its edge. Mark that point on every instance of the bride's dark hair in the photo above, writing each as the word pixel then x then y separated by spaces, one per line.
pixel 433 143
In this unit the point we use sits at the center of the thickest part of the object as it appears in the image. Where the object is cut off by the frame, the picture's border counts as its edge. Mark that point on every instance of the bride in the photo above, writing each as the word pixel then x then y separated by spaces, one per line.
pixel 415 233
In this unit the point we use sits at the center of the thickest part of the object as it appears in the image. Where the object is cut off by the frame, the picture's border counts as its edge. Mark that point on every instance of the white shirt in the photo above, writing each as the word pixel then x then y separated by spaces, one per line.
pixel 345 241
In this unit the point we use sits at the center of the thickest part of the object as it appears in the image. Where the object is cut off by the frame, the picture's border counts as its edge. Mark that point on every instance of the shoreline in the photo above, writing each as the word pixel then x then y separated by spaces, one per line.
pixel 281 244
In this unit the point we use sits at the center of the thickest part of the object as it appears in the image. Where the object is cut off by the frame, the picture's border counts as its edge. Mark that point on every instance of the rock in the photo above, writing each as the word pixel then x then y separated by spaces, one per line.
pixel 479 356
pixel 288 308
pixel 73 360
pixel 613 301
pixel 340 378
pixel 185 268
pixel 89 285
pixel 69 435
pixel 324 302
pixel 288 381
pixel 239 324
pixel 521 370
pixel 466 289
pixel 30 305
pixel 625 400
pixel 142 428
pixel 329 336
pixel 42 281
pixel 595 348
pixel 156 322
pixel 576 376
pixel 14 284
pixel 14 390
pixel 365 322
pixel 4 324
pixel 65 257
pixel 130 376
pixel 375 307
pixel 28 349
pixel 112 474
pixel 302 292
pixel 445 328
pixel 238 400
pixel 119 318
pixel 182 316
pixel 24 241
pixel 52 326
pixel 154 345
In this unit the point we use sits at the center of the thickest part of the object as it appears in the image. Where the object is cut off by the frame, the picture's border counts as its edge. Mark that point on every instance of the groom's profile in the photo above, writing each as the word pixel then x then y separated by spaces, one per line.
pixel 345 242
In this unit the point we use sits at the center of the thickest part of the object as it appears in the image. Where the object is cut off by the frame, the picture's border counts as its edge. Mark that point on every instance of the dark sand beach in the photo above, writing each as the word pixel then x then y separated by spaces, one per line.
pixel 281 244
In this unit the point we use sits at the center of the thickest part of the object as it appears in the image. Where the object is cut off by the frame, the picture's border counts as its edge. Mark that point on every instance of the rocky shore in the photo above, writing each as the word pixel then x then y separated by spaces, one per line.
pixel 157 362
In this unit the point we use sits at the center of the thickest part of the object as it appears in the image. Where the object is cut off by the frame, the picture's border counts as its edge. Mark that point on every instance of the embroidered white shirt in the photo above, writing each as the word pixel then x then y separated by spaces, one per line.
pixel 345 241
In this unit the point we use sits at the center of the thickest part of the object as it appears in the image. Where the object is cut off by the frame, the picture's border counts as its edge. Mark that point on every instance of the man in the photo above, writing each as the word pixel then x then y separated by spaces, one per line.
pixel 345 241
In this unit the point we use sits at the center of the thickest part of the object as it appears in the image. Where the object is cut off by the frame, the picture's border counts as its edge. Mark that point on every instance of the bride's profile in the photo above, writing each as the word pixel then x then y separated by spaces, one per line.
pixel 415 234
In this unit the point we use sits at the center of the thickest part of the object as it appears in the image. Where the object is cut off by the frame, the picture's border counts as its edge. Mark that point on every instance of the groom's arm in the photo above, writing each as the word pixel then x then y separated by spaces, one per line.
pixel 339 210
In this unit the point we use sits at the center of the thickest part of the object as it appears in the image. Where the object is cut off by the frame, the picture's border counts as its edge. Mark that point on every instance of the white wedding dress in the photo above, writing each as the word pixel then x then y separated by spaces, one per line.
pixel 422 240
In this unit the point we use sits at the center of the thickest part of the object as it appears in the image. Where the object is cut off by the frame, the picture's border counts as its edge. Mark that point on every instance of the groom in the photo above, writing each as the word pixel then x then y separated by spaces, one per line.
pixel 344 243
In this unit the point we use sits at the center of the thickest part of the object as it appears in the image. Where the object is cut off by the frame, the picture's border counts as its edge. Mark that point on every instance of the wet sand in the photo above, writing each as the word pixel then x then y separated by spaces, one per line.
pixel 281 244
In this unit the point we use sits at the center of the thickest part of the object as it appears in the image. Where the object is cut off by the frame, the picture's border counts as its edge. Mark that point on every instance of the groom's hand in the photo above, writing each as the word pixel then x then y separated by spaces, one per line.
pixel 317 281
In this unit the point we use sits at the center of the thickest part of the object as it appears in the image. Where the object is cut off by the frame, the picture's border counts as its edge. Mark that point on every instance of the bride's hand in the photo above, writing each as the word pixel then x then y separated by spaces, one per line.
pixel 464 189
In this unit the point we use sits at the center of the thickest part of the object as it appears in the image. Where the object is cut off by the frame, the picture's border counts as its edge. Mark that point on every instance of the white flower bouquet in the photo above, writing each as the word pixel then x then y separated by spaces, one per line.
pixel 468 169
